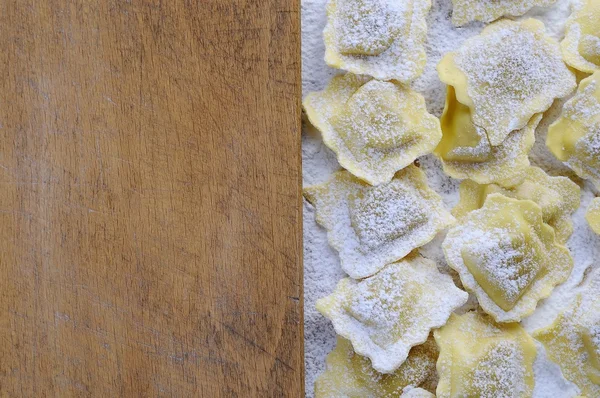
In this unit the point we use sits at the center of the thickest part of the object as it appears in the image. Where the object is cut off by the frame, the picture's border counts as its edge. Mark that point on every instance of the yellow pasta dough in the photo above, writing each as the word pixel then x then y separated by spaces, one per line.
pixel 507 256
pixel 376 128
pixel 581 45
pixel 575 137
pixel 465 11
pixel 506 75
pixel 480 358
pixel 593 215
pixel 351 375
pixel 388 313
pixel 573 339
pixel 381 38
pixel 465 151
pixel 558 198
pixel 373 226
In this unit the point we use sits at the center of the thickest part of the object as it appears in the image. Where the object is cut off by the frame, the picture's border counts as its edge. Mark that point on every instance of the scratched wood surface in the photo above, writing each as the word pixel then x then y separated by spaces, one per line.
pixel 150 240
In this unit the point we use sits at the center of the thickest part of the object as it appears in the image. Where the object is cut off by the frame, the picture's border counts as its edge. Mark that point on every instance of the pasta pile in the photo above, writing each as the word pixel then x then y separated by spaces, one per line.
pixel 404 327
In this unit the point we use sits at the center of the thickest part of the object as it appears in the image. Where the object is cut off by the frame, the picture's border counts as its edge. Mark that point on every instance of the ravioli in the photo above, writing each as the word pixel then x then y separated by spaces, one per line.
pixel 593 215
pixel 507 256
pixel 381 38
pixel 374 226
pixel 480 358
pixel 581 45
pixel 375 128
pixel 506 75
pixel 575 137
pixel 558 198
pixel 465 11
pixel 351 375
pixel 573 339
pixel 465 150
pixel 388 313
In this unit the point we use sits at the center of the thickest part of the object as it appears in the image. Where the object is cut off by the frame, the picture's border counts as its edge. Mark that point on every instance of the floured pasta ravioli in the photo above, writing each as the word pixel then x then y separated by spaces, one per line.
pixel 374 226
pixel 465 11
pixel 558 198
pixel 351 375
pixel 480 358
pixel 593 215
pixel 506 75
pixel 465 150
pixel 381 38
pixel 375 128
pixel 388 313
pixel 507 256
pixel 581 45
pixel 575 137
pixel 573 339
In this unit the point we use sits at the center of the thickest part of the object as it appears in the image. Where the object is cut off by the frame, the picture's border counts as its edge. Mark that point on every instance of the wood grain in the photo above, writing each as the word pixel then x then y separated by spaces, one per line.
pixel 150 198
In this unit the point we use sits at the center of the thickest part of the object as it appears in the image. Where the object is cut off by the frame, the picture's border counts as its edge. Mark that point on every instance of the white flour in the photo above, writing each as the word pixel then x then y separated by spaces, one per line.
pixel 321 265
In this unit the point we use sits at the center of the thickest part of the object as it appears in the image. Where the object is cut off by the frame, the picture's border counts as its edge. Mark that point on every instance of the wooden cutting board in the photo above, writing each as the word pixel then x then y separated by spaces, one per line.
pixel 150 218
